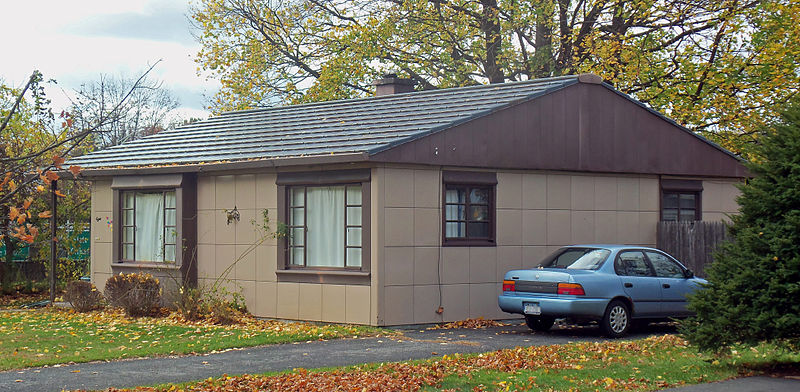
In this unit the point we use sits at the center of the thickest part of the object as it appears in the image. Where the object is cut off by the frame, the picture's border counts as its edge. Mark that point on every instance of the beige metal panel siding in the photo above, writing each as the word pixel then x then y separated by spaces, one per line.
pixel 536 212
pixel 102 229
pixel 252 272
pixel 719 199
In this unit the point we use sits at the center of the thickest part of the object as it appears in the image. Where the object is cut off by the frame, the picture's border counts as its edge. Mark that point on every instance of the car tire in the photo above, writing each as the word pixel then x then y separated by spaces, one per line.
pixel 617 320
pixel 539 323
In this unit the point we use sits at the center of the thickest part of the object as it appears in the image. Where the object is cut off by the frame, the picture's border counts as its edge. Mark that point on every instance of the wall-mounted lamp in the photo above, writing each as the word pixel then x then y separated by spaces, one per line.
pixel 233 215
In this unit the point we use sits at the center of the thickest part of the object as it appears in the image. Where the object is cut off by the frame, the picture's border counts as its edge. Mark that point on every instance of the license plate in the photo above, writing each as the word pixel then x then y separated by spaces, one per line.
pixel 532 308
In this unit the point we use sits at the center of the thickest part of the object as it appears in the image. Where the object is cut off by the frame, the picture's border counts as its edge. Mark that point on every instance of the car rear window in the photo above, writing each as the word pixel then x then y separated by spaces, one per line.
pixel 576 258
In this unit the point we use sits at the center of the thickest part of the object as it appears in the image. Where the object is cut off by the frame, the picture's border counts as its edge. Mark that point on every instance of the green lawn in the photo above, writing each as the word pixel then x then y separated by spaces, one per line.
pixel 641 365
pixel 52 336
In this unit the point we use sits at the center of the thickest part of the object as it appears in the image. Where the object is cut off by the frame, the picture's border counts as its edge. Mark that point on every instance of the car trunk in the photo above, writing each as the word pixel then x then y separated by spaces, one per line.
pixel 546 280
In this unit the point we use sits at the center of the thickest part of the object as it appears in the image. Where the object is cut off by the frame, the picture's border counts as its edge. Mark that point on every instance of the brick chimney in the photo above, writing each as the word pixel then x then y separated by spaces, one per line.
pixel 391 84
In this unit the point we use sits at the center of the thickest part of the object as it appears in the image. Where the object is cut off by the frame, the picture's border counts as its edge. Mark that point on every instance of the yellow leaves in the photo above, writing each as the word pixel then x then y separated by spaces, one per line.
pixel 13 213
pixel 45 214
pixel 60 194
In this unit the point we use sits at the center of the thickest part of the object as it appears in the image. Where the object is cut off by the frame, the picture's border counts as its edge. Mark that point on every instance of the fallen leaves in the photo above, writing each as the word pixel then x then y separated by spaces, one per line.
pixel 471 323
pixel 53 335
pixel 18 299
pixel 404 376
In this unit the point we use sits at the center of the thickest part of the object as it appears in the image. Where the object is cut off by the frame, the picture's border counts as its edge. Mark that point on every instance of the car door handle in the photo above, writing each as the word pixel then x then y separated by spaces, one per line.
pixel 665 285
pixel 627 284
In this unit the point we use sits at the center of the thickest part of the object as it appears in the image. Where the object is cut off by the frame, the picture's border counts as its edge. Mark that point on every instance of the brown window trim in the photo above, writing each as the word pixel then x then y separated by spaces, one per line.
pixel 469 180
pixel 304 226
pixel 349 275
pixel 678 187
pixel 164 228
pixel 185 187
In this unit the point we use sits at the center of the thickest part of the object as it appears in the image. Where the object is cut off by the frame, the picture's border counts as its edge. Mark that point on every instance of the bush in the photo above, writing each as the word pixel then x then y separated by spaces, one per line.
pixel 138 294
pixel 215 304
pixel 190 303
pixel 83 296
pixel 753 293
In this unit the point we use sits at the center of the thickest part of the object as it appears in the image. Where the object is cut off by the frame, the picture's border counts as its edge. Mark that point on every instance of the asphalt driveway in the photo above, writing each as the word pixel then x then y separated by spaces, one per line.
pixel 416 344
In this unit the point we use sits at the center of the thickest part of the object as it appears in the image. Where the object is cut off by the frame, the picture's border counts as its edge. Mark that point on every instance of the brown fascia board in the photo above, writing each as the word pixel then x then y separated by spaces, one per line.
pixel 226 166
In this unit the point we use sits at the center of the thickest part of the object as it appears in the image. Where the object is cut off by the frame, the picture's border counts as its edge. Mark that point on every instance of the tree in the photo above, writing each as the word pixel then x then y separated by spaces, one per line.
pixel 26 144
pixel 34 146
pixel 753 293
pixel 146 108
pixel 719 67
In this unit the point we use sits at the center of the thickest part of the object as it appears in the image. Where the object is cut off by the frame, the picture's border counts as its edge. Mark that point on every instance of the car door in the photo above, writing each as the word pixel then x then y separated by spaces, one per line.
pixel 674 284
pixel 639 282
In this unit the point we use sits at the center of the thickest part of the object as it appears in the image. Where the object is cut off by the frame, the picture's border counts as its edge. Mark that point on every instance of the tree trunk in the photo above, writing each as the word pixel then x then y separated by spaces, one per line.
pixel 5 268
pixel 490 25
pixel 543 45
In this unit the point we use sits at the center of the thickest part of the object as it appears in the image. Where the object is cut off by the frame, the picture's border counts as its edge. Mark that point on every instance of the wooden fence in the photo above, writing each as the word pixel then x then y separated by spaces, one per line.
pixel 692 243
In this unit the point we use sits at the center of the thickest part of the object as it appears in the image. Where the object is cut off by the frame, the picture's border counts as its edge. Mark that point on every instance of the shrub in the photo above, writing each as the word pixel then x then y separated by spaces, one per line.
pixel 753 293
pixel 138 294
pixel 83 296
pixel 216 305
pixel 190 303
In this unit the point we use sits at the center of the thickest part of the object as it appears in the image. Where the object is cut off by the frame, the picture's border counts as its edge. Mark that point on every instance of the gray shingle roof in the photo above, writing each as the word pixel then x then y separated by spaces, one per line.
pixel 367 125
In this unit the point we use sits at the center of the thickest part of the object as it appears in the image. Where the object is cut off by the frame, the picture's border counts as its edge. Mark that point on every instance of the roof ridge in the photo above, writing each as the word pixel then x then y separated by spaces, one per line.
pixel 404 95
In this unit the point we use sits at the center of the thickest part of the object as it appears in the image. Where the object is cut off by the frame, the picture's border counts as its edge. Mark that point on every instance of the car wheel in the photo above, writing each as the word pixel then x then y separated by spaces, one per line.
pixel 617 320
pixel 539 323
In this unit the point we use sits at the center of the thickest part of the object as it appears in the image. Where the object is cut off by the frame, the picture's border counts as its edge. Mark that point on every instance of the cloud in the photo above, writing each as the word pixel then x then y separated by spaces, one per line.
pixel 157 22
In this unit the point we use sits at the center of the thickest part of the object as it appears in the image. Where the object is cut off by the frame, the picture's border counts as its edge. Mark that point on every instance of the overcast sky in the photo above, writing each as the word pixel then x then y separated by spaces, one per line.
pixel 74 41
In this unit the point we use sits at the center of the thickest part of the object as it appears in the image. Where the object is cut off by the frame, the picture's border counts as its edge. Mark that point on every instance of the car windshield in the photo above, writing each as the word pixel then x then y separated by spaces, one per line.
pixel 576 258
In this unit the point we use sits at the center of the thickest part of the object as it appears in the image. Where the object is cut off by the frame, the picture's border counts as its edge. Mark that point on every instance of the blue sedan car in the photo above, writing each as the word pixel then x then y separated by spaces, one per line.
pixel 610 284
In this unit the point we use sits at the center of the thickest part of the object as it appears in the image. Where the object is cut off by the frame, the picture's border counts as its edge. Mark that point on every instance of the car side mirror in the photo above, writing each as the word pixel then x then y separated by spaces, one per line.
pixel 688 274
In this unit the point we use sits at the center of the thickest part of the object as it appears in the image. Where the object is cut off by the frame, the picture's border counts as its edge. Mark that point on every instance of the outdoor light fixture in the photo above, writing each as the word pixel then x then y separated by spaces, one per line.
pixel 233 215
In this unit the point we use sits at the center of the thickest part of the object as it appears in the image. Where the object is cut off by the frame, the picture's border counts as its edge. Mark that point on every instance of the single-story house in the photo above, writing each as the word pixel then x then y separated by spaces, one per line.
pixel 402 203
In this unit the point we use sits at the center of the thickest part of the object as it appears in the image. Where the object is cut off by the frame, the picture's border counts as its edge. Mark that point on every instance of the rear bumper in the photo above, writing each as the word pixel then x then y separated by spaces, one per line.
pixel 555 306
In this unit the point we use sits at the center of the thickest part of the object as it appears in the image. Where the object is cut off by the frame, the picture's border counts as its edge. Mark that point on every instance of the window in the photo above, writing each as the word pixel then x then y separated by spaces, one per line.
pixel 576 258
pixel 664 266
pixel 468 207
pixel 680 200
pixel 632 263
pixel 325 226
pixel 468 212
pixel 149 228
pixel 680 206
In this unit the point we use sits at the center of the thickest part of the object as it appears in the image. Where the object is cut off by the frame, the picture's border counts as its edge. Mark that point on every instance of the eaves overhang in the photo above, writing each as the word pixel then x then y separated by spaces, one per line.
pixel 226 166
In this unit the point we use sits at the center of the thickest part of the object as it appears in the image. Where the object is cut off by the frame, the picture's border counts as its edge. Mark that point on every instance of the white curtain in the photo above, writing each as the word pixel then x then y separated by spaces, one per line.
pixel 455 212
pixel 149 226
pixel 325 223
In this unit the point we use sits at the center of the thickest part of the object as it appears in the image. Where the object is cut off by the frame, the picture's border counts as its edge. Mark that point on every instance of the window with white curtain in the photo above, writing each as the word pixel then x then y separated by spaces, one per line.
pixel 325 226
pixel 148 226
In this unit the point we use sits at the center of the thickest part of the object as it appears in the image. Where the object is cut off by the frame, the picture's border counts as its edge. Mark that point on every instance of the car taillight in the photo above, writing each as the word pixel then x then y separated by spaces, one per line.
pixel 570 289
pixel 509 285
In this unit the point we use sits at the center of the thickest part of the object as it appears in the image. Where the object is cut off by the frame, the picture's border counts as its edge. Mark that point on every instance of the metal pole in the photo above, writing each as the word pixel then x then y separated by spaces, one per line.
pixel 53 240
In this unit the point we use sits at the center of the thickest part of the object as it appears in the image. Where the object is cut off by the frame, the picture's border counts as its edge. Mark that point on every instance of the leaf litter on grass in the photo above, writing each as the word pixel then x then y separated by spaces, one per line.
pixel 52 336
pixel 413 376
